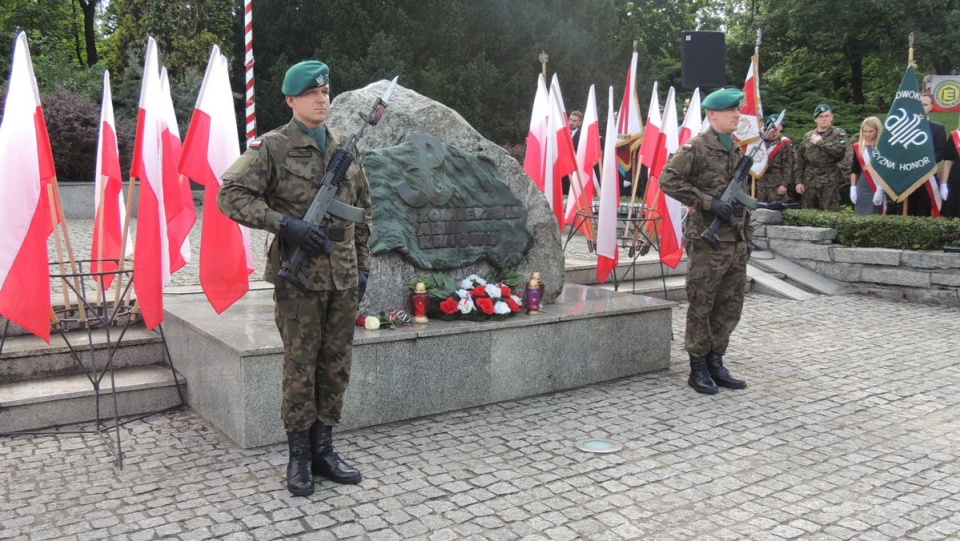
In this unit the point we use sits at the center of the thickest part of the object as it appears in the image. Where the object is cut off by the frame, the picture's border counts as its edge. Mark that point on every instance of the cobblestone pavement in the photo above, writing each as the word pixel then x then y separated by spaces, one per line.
pixel 848 430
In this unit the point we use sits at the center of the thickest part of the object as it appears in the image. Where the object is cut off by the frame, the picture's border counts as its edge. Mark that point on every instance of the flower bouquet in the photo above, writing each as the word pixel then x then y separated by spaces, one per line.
pixel 473 298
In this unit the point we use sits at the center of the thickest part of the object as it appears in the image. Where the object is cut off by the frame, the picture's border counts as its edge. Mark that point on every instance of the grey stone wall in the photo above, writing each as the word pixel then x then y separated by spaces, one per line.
pixel 918 276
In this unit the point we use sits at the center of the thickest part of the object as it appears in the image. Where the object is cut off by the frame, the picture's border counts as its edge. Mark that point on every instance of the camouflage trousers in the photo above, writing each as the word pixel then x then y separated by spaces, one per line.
pixel 716 282
pixel 769 194
pixel 317 332
pixel 822 193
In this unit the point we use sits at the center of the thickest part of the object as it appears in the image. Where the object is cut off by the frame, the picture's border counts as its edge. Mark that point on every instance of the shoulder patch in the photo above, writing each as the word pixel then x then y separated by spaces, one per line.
pixel 255 143
pixel 687 146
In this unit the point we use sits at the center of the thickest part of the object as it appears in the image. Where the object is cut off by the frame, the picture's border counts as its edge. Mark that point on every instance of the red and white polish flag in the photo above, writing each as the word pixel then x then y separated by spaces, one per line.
pixel 534 159
pixel 608 253
pixel 27 215
pixel 582 186
pixel 109 208
pixel 651 134
pixel 561 158
pixel 212 145
pixel 668 208
pixel 151 254
pixel 177 195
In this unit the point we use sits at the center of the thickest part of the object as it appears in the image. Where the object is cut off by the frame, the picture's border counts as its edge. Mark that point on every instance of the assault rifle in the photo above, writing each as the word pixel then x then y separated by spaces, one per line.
pixel 734 191
pixel 292 271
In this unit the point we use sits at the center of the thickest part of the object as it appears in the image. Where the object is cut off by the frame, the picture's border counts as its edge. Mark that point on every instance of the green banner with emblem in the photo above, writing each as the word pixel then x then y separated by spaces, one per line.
pixel 904 158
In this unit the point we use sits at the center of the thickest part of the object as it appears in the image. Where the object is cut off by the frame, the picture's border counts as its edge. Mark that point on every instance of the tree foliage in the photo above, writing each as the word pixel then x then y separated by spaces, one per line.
pixel 481 58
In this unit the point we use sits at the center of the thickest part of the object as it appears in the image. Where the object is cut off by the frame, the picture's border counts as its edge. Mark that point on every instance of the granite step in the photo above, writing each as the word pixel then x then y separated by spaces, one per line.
pixel 71 399
pixel 27 357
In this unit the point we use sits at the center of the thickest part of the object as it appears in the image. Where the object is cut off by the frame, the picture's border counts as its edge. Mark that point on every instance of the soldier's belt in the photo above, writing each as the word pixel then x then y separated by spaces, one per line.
pixel 822 165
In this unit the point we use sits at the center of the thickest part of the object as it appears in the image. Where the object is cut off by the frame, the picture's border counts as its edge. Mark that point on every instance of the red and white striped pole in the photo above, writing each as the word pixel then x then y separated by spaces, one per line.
pixel 248 69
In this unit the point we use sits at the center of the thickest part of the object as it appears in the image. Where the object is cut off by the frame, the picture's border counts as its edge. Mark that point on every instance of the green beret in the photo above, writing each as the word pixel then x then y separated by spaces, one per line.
pixel 770 120
pixel 724 98
pixel 305 75
pixel 822 108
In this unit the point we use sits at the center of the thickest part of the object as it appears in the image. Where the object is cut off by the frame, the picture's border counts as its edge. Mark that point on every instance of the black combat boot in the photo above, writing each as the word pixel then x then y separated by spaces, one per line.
pixel 700 378
pixel 721 375
pixel 299 480
pixel 326 462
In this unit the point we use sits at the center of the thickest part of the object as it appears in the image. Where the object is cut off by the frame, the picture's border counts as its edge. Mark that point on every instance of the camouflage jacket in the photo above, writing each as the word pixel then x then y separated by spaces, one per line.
pixel 699 172
pixel 279 175
pixel 780 169
pixel 819 161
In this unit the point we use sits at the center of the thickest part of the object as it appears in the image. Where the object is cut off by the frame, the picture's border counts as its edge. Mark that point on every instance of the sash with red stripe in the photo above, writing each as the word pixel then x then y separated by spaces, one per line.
pixel 772 153
pixel 863 157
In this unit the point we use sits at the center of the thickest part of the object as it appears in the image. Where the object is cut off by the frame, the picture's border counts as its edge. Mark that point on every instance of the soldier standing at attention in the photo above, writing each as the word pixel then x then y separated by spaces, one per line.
pixel 818 178
pixel 776 184
pixel 271 187
pixel 696 176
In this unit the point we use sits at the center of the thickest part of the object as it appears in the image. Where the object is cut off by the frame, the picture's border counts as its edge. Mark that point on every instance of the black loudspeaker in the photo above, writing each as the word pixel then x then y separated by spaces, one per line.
pixel 703 59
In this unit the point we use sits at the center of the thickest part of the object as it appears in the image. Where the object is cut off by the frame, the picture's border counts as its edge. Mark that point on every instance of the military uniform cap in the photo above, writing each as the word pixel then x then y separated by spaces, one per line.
pixel 725 98
pixel 822 108
pixel 305 75
pixel 770 120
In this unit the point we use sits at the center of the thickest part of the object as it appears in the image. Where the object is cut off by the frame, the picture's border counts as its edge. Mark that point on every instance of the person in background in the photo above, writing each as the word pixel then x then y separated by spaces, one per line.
pixel 697 176
pixel 574 122
pixel 777 184
pixel 823 148
pixel 867 197
pixel 918 202
pixel 270 187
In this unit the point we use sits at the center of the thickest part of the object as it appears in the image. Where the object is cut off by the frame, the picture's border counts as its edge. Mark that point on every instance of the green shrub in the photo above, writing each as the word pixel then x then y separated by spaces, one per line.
pixel 898 232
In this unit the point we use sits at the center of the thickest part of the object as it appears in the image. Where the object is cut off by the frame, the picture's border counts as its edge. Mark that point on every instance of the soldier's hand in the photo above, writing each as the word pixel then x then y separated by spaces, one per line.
pixel 721 209
pixel 878 197
pixel 816 138
pixel 782 190
pixel 307 236
pixel 362 276
pixel 944 191
pixel 801 188
pixel 853 194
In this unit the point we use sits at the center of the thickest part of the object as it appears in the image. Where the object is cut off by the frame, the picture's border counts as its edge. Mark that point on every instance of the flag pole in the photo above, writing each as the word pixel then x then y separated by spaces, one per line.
pixel 248 70
pixel 55 186
pixel 123 244
pixel 56 240
pixel 101 294
pixel 756 71
pixel 544 57
pixel 910 63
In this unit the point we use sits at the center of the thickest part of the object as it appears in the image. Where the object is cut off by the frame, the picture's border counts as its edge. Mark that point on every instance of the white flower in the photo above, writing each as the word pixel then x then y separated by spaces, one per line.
pixel 466 305
pixel 462 293
pixel 517 300
pixel 493 291
pixel 467 283
pixel 372 323
pixel 478 280
pixel 501 307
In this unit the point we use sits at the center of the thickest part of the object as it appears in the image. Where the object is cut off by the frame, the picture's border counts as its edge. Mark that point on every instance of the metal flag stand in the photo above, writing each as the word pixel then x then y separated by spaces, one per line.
pixel 636 233
pixel 110 317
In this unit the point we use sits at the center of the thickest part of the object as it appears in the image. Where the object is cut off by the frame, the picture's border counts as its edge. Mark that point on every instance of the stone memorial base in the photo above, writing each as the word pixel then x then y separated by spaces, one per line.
pixel 233 362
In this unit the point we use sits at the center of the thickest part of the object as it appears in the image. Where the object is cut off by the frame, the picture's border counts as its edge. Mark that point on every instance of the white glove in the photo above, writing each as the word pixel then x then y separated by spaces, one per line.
pixel 853 194
pixel 878 197
pixel 944 191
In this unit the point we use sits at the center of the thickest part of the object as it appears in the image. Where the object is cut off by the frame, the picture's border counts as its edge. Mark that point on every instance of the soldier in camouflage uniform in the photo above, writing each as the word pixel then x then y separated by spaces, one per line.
pixel 697 175
pixel 818 177
pixel 776 184
pixel 271 187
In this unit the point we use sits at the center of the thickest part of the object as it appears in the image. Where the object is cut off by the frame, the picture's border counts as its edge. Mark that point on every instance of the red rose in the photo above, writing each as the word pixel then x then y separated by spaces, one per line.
pixel 513 304
pixel 361 321
pixel 449 306
pixel 486 305
pixel 478 292
pixel 505 290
